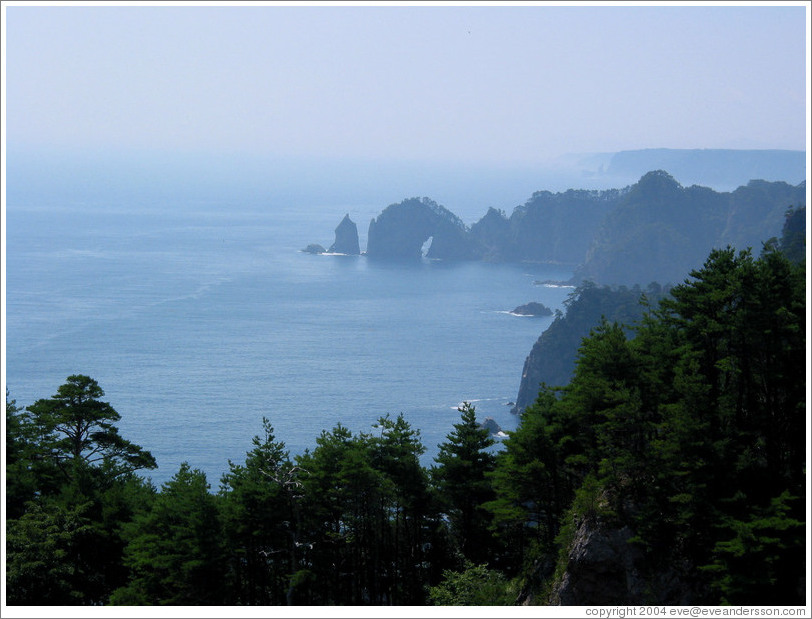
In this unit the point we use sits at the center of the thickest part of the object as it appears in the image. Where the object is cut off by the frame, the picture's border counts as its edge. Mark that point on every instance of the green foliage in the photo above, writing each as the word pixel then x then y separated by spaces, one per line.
pixel 71 474
pixel 368 511
pixel 475 585
pixel 78 430
pixel 462 484
pixel 552 358
pixel 762 558
pixel 174 549
pixel 45 556
pixel 260 513
pixel 27 473
pixel 531 483
pixel 686 433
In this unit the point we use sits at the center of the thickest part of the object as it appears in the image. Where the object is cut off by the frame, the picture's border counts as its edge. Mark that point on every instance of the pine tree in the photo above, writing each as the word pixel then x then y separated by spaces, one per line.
pixel 461 480
pixel 77 430
pixel 174 549
pixel 261 520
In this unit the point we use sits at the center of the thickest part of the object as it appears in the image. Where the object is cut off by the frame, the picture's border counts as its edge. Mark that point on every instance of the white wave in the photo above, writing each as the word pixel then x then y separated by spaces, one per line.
pixel 474 401
pixel 508 312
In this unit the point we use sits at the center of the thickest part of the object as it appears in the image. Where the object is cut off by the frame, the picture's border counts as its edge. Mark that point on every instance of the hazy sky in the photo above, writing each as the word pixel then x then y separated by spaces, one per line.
pixel 507 84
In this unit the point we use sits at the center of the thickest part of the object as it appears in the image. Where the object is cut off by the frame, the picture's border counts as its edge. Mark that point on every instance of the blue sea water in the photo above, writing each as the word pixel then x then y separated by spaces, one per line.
pixel 198 319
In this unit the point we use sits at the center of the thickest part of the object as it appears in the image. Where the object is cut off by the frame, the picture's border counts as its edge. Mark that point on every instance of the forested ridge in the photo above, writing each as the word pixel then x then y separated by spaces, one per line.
pixel 687 433
pixel 552 358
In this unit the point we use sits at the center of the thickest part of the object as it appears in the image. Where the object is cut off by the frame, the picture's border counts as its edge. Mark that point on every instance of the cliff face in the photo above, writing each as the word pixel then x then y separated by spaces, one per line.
pixel 346 238
pixel 552 358
pixel 400 231
pixel 793 235
pixel 604 567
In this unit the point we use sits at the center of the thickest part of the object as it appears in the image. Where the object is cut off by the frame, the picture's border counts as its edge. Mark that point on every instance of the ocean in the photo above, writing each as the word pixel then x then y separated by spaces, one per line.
pixel 200 318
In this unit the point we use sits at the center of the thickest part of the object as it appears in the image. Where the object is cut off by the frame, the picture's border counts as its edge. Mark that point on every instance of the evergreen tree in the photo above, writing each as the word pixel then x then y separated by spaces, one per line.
pixel 461 480
pixel 531 486
pixel 70 469
pixel 395 453
pixel 77 430
pixel 344 519
pixel 47 562
pixel 261 520
pixel 28 474
pixel 174 549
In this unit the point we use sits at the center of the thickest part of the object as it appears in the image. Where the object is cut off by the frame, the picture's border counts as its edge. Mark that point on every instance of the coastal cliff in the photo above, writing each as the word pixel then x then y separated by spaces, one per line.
pixel 552 359
pixel 655 230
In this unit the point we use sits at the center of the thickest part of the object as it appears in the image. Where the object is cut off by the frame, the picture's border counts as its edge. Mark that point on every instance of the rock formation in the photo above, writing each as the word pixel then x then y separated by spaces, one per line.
pixel 533 309
pixel 489 424
pixel 346 238
pixel 604 566
pixel 401 231
pixel 314 248
pixel 653 231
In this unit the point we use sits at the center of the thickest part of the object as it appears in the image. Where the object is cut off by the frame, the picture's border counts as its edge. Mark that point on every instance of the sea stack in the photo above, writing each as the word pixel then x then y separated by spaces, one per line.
pixel 346 238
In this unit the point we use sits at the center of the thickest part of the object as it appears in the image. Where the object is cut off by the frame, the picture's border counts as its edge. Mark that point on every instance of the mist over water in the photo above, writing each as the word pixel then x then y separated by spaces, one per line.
pixel 198 318
pixel 158 180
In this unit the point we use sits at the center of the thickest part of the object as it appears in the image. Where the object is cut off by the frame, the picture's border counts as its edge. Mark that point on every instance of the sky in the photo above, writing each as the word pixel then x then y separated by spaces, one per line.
pixel 484 85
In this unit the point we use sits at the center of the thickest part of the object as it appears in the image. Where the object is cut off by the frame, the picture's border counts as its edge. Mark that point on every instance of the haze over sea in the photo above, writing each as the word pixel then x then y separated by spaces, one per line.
pixel 199 317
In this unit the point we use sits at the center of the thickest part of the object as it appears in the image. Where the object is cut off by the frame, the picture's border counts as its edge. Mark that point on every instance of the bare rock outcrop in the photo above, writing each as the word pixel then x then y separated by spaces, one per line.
pixel 605 567
pixel 346 238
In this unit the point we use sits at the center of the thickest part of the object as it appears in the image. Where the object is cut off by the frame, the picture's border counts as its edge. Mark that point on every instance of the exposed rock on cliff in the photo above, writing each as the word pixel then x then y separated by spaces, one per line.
pixel 601 567
pixel 401 230
pixel 346 238
pixel 605 567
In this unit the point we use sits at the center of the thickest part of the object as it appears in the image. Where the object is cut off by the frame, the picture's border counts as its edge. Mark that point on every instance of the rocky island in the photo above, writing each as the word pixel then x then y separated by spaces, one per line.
pixel 493 428
pixel 314 248
pixel 533 309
